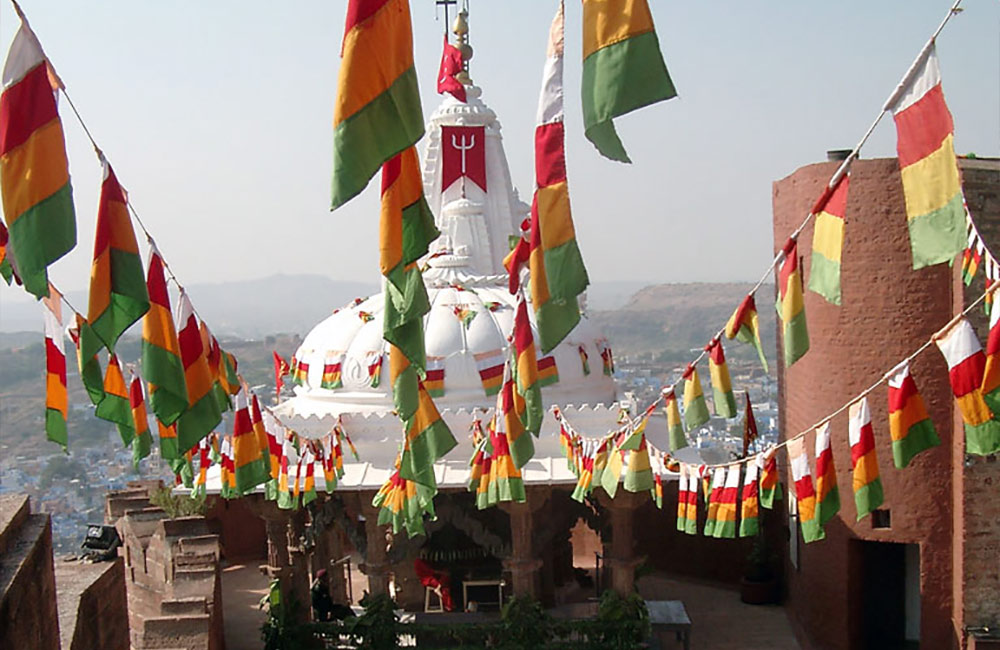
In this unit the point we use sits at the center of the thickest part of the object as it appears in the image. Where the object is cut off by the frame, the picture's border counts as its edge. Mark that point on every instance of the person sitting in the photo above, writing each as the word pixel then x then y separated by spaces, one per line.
pixel 324 609
pixel 436 580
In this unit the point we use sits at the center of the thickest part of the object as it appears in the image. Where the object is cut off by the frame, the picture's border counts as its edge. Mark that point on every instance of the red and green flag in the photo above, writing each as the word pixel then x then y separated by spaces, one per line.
pixel 332 370
pixel 118 296
pixel 966 370
pixel 749 503
pixel 505 482
pixel 623 69
pixel 695 409
pixel 115 406
pixel 722 385
pixel 377 113
pixel 790 306
pixel 744 326
pixel 827 494
pixel 682 499
pixel 519 441
pixel 289 457
pixel 527 373
pixel 227 474
pixel 161 352
pixel 675 427
pixel 714 497
pixel 990 387
pixel 56 396
pixel 142 443
pixel 805 492
pixel 691 520
pixel 828 240
pixel 910 426
pixel 203 414
pixel 34 171
pixel 558 274
pixel 864 463
pixel 925 148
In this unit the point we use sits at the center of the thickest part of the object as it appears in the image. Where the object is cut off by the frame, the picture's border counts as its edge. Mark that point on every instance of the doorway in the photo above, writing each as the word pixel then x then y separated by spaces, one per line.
pixel 890 589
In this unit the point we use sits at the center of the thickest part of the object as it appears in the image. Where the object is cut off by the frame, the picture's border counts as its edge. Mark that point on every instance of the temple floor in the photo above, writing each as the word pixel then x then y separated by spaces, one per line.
pixel 719 620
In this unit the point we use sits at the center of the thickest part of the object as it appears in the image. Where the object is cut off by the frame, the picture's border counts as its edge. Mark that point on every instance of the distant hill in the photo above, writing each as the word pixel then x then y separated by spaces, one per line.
pixel 669 320
pixel 245 309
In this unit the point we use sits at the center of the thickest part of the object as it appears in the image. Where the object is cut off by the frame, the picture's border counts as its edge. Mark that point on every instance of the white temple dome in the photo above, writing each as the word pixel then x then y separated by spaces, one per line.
pixel 471 312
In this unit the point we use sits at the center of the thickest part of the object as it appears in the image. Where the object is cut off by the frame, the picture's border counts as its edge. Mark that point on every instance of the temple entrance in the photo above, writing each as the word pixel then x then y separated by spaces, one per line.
pixel 890 590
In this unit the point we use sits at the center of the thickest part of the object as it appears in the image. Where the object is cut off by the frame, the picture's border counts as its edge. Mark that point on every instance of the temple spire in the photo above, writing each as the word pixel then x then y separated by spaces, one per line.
pixel 461 31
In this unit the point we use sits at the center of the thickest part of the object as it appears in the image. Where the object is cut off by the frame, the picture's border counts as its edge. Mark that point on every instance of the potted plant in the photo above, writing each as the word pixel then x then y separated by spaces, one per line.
pixel 759 585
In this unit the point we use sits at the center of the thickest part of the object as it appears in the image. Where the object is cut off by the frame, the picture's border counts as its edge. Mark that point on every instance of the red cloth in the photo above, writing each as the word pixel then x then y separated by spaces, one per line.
pixel 435 580
pixel 451 64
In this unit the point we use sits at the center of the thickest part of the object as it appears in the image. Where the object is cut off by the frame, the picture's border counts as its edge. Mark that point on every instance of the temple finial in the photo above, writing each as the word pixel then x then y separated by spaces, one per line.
pixel 461 31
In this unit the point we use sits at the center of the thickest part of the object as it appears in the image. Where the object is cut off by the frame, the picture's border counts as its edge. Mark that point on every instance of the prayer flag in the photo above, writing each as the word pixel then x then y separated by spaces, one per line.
pixel 722 386
pixel 299 371
pixel 56 397
pixel 607 358
pixel 377 113
pixel 695 409
pixel 374 362
pixel 161 353
pixel 505 482
pixel 521 446
pixel 115 406
pixel 864 463
pixel 331 370
pixel 991 371
pixel 638 472
pixel 910 426
pixel 118 296
pixel 828 240
pixel 623 69
pixel 451 64
pixel 925 148
pixel 725 515
pixel 203 414
pixel 558 274
pixel 805 493
pixel 247 461
pixel 490 365
pixel 584 359
pixel 34 172
pixel 168 441
pixel 749 504
pixel 227 475
pixel 714 496
pixel 675 429
pixel 434 379
pixel 790 306
pixel 749 424
pixel 743 325
pixel 682 499
pixel 527 371
pixel 827 494
pixel 281 368
pixel 691 524
pixel 966 370
pixel 548 371
pixel 770 488
pixel 142 443
pixel 585 479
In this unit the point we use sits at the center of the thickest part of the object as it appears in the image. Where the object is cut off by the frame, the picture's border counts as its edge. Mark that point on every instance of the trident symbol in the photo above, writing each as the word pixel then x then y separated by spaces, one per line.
pixel 465 146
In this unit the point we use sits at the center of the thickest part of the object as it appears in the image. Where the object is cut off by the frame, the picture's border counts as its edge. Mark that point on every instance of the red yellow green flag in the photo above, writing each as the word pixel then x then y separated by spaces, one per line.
pixel 115 406
pixel 682 498
pixel 828 240
pixel 203 414
pixel 623 69
pixel 805 492
pixel 790 306
pixel 558 274
pixel 168 441
pixel 289 457
pixel 966 369
pixel 161 353
pixel 227 475
pixel 725 516
pixel 749 503
pixel 925 148
pixel 827 494
pixel 377 112
pixel 638 470
pixel 675 427
pixel 722 385
pixel 743 325
pixel 714 496
pixel 142 444
pixel 770 487
pixel 34 172
pixel 528 396
pixel 248 463
pixel 910 426
pixel 867 484
pixel 695 409
pixel 990 387
pixel 505 482
pixel 691 521
pixel 118 296
pixel 56 397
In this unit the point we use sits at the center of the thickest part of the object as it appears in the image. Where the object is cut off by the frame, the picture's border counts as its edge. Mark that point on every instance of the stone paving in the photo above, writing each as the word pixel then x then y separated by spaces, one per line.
pixel 243 585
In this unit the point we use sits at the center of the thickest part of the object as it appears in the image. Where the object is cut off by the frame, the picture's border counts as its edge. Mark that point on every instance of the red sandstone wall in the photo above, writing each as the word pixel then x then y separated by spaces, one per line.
pixel 243 533
pixel 888 311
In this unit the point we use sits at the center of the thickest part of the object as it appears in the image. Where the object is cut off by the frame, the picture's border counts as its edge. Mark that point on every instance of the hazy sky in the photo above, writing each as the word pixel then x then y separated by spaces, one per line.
pixel 217 119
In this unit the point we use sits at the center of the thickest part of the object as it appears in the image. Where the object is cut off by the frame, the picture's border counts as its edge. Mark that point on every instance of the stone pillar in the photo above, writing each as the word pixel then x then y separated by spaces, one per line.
pixel 620 558
pixel 276 527
pixel 523 564
pixel 376 564
pixel 299 563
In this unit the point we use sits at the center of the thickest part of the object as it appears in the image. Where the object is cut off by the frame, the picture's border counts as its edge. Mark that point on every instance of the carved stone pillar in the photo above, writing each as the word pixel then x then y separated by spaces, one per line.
pixel 276 526
pixel 299 561
pixel 620 558
pixel 376 564
pixel 523 564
